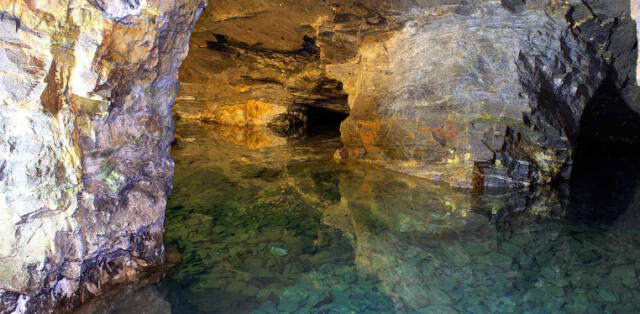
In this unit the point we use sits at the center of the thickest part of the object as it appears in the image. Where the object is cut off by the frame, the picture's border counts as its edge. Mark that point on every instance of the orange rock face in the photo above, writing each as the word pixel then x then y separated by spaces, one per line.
pixel 254 112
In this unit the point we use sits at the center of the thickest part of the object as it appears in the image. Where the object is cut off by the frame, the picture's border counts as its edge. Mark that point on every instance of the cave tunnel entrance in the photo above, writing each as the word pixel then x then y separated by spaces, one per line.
pixel 606 172
pixel 322 121
pixel 328 109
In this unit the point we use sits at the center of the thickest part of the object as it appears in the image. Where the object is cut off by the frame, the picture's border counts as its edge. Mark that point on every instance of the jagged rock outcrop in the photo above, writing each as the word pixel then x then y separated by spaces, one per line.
pixel 610 27
pixel 86 89
pixel 473 93
pixel 501 108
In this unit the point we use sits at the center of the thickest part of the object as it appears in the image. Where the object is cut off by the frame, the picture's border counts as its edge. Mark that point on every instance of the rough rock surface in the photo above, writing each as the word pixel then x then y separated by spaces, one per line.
pixel 505 102
pixel 473 93
pixel 635 6
pixel 86 89
pixel 610 27
pixel 235 84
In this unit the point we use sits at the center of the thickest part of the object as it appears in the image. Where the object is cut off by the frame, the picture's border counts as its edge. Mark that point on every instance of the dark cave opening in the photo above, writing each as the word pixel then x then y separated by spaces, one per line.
pixel 309 121
pixel 325 106
pixel 326 122
pixel 606 173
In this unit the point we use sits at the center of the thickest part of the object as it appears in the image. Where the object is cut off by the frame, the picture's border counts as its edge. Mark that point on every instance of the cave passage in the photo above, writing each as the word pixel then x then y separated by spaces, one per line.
pixel 319 156
pixel 605 180
pixel 264 219
pixel 273 224
pixel 321 121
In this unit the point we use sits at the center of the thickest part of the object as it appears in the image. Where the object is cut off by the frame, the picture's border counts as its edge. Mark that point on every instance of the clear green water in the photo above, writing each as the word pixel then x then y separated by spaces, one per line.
pixel 286 229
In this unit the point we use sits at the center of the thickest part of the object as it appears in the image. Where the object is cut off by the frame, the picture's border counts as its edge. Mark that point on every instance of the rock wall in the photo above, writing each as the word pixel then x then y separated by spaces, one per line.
pixel 234 84
pixel 256 63
pixel 609 26
pixel 473 93
pixel 86 89
pixel 635 5
pixel 501 108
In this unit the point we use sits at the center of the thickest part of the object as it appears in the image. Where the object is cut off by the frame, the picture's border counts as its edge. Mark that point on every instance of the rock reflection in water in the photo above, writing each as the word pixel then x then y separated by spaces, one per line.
pixel 269 225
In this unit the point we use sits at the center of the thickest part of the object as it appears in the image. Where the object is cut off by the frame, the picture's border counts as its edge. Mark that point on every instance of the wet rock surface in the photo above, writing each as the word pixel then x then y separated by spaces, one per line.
pixel 284 228
pixel 500 110
pixel 610 27
pixel 635 5
pixel 86 89
pixel 472 93
pixel 236 84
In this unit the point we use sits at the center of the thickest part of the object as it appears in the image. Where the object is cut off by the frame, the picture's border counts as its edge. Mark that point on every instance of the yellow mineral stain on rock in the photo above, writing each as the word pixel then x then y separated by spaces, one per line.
pixel 410 163
pixel 254 112
pixel 255 137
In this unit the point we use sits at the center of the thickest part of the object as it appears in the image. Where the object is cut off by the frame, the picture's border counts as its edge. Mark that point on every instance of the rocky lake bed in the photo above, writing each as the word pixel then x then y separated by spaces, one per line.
pixel 282 227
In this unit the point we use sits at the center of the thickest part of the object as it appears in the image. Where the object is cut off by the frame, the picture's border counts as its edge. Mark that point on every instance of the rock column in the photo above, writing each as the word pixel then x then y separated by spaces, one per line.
pixel 86 89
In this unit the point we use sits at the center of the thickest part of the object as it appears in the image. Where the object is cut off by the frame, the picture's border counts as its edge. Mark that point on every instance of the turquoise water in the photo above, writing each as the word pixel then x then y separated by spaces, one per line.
pixel 261 224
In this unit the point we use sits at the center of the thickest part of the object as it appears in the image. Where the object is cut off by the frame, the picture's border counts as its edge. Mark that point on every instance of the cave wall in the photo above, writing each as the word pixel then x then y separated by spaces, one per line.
pixel 609 26
pixel 418 112
pixel 86 89
pixel 472 93
pixel 256 63
pixel 635 5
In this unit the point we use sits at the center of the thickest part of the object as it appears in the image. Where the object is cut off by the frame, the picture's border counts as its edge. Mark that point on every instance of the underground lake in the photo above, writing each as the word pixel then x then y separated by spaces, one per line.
pixel 259 223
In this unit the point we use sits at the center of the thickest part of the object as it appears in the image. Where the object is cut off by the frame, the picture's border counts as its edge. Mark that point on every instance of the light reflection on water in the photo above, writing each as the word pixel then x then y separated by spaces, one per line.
pixel 266 225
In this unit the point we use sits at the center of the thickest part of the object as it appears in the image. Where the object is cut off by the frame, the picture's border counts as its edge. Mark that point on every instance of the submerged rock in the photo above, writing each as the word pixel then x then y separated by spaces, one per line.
pixel 278 251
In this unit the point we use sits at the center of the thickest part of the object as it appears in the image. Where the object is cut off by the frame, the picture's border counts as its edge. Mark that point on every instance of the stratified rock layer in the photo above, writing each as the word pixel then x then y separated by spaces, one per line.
pixel 234 84
pixel 86 89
